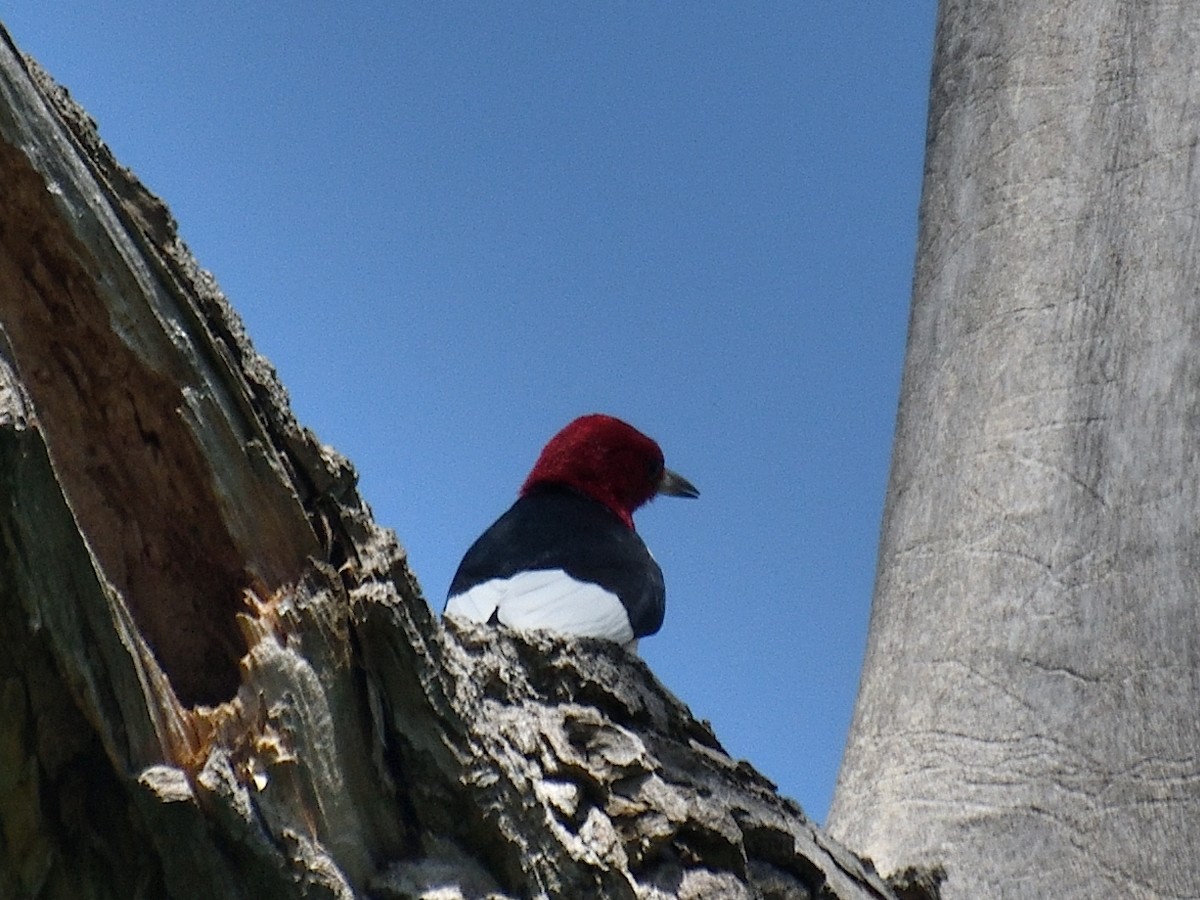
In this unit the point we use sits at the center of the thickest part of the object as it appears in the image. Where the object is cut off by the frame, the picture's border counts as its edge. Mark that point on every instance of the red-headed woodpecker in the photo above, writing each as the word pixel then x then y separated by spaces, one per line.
pixel 566 557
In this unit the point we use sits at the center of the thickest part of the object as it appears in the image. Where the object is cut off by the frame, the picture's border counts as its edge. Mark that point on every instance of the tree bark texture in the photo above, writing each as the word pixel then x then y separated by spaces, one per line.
pixel 1029 712
pixel 218 675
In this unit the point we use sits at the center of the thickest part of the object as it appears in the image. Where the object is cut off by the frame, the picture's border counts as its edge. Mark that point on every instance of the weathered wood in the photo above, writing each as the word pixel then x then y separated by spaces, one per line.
pixel 1029 713
pixel 220 677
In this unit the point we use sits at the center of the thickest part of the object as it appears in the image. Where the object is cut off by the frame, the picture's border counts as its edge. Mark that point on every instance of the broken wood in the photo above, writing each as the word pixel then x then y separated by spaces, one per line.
pixel 220 677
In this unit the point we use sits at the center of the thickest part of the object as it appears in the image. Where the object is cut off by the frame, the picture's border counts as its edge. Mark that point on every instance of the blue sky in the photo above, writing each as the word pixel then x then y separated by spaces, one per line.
pixel 455 227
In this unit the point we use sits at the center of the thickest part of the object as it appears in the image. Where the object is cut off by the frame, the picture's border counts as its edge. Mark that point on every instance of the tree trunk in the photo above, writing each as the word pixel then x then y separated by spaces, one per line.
pixel 219 677
pixel 1029 712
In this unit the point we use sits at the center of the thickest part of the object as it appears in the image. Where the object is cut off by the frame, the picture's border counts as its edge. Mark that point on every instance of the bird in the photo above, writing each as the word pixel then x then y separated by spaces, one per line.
pixel 566 556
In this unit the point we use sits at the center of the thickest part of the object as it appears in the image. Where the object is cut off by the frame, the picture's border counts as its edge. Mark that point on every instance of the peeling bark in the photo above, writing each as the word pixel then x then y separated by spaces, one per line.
pixel 220 676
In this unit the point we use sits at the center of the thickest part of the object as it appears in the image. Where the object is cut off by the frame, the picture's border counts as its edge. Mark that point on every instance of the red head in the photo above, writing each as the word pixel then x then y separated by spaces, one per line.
pixel 611 462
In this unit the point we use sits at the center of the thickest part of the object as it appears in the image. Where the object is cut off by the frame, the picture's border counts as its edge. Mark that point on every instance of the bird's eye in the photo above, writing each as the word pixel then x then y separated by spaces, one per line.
pixel 654 469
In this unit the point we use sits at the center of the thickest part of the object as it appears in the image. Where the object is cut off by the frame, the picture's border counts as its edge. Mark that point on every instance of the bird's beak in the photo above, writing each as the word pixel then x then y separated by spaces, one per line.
pixel 675 485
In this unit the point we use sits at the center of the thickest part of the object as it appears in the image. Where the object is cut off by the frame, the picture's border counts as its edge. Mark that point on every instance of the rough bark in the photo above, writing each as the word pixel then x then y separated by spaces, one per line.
pixel 219 677
pixel 1029 712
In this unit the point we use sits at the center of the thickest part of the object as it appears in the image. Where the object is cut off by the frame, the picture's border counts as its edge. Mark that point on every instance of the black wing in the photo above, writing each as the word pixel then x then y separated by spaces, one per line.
pixel 556 528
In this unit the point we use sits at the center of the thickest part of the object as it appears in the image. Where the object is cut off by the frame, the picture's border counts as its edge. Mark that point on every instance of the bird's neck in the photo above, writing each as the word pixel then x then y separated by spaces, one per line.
pixel 591 492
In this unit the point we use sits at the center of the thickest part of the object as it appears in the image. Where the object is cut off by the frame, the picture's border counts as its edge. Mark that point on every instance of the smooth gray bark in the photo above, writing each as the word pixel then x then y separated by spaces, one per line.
pixel 218 677
pixel 1029 712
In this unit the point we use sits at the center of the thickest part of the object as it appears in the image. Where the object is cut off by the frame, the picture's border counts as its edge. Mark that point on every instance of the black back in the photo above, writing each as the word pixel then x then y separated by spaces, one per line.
pixel 558 528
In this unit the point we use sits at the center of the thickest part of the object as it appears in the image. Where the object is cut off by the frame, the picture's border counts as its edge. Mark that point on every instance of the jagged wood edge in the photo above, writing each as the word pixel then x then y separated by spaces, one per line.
pixel 418 675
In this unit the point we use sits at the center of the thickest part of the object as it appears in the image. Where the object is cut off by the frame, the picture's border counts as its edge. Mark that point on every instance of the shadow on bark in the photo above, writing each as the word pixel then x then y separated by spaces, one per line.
pixel 220 677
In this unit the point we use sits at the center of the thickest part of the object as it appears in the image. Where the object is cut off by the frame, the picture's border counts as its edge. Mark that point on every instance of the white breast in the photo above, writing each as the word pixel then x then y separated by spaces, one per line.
pixel 548 599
